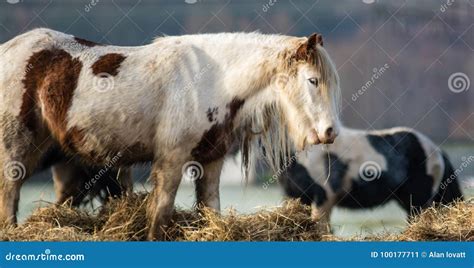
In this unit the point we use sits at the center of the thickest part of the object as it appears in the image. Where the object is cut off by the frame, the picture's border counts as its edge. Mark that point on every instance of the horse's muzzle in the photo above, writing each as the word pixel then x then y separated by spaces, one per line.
pixel 313 137
pixel 327 137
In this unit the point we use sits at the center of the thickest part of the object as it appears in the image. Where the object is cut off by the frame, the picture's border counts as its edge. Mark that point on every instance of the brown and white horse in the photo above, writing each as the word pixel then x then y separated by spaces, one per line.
pixel 176 100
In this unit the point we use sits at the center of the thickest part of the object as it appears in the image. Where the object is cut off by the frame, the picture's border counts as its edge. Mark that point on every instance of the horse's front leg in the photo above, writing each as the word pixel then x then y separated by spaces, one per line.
pixel 9 198
pixel 125 180
pixel 322 205
pixel 69 182
pixel 207 187
pixel 18 158
pixel 322 213
pixel 166 175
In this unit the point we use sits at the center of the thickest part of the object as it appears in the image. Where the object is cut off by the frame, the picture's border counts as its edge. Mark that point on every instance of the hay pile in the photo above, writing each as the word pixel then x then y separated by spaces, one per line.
pixel 55 223
pixel 441 223
pixel 444 223
pixel 124 220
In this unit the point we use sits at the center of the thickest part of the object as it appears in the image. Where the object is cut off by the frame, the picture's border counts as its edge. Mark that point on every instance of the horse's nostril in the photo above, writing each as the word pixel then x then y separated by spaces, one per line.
pixel 329 132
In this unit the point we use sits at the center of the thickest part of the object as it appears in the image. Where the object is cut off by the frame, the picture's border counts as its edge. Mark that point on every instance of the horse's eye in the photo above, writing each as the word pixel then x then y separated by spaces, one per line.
pixel 314 81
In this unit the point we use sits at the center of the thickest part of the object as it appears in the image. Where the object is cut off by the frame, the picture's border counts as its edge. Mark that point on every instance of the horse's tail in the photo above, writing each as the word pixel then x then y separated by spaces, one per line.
pixel 449 188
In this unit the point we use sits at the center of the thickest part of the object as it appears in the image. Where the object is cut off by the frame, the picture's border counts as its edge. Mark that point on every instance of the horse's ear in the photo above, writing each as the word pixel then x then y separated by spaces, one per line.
pixel 309 46
pixel 315 39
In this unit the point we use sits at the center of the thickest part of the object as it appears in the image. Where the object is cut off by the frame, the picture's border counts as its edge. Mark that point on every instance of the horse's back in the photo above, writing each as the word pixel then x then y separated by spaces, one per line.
pixel 39 38
pixel 427 168
pixel 417 149
pixel 14 55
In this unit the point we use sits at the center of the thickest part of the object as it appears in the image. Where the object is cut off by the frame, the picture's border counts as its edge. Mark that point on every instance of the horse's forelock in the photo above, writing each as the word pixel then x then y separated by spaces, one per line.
pixel 329 75
pixel 320 59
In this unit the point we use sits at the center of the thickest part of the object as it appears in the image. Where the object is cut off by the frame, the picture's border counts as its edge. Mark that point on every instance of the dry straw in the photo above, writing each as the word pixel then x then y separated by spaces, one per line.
pixel 124 220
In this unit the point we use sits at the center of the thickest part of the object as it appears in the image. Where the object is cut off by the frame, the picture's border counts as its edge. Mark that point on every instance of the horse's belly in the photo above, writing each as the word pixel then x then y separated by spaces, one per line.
pixel 119 135
pixel 103 148
pixel 367 194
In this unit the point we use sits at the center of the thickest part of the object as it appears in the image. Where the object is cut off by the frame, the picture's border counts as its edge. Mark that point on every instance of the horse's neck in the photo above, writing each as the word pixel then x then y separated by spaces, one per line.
pixel 245 63
pixel 230 66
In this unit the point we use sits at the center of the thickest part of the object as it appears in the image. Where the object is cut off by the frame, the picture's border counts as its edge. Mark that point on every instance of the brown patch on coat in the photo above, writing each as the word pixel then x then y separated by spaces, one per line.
pixel 137 152
pixel 86 43
pixel 74 139
pixel 52 80
pixel 211 113
pixel 108 63
pixel 216 141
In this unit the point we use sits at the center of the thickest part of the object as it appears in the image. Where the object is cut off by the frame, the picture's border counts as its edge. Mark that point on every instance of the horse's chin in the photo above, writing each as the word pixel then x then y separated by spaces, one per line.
pixel 307 141
pixel 302 144
pixel 312 138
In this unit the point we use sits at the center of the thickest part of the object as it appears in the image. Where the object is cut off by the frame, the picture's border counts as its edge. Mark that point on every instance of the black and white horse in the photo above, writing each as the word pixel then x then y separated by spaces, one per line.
pixel 364 169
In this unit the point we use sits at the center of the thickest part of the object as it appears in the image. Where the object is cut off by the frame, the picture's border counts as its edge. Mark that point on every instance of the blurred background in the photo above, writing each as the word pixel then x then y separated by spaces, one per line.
pixel 407 63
